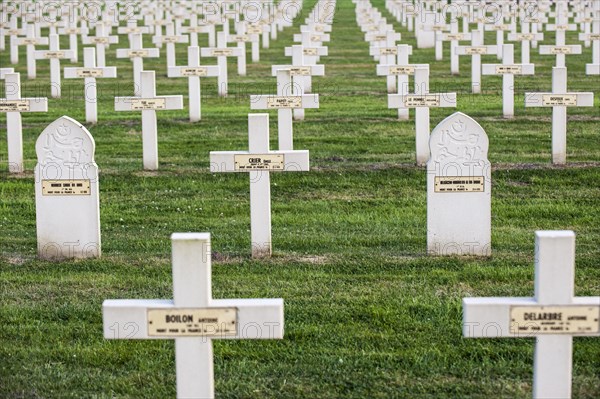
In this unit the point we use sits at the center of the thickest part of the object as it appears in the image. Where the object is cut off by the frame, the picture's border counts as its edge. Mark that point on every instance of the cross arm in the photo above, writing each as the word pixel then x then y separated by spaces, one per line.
pixel 589 36
pixel 257 318
pixel 306 101
pixel 202 71
pixel 293 161
pixel 491 317
pixel 557 99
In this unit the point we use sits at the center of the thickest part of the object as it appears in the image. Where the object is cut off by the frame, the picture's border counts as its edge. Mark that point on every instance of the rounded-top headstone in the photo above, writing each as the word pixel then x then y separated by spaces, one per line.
pixel 66 191
pixel 459 189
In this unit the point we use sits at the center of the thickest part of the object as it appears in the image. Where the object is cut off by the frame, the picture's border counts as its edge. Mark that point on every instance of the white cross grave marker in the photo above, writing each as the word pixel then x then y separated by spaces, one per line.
pixel 55 54
pixel 90 72
pixel 221 52
pixel 476 50
pixel 508 69
pixel 31 41
pixel 289 97
pixel 559 99
pixel 259 161
pixel 137 53
pixel 402 70
pixel 67 192
pixel 194 71
pixel 13 105
pixel 459 189
pixel 149 103
pixel 170 39
pixel 193 318
pixel 554 315
pixel 102 40
pixel 422 100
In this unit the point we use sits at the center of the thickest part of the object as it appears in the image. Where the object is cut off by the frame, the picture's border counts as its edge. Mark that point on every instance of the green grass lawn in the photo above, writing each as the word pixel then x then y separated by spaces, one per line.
pixel 367 313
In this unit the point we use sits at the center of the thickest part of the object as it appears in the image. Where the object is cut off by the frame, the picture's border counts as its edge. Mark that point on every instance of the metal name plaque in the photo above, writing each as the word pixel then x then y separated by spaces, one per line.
pixel 459 184
pixel 90 72
pixel 509 69
pixel 147 103
pixel 402 70
pixel 427 100
pixel 300 71
pixel 66 187
pixel 194 71
pixel 257 162
pixel 222 52
pixel 561 50
pixel 569 319
pixel 552 100
pixel 310 51
pixel 14 105
pixel 137 53
pixel 284 102
pixel 211 322
pixel 476 50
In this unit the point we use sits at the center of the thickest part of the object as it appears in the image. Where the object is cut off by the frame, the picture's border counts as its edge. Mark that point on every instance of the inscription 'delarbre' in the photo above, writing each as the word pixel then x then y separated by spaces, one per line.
pixel 570 319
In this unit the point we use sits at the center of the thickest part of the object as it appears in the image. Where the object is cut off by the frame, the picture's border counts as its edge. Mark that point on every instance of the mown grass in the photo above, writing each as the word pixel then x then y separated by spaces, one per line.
pixel 368 314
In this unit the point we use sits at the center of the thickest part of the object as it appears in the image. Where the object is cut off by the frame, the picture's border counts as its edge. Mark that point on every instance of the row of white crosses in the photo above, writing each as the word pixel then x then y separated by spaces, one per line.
pixel 431 19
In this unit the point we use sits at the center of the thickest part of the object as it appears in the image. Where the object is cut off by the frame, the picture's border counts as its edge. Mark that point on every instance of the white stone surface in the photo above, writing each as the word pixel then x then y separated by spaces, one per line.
pixel 459 222
pixel 192 289
pixel 260 189
pixel 149 125
pixel 554 286
pixel 14 126
pixel 68 226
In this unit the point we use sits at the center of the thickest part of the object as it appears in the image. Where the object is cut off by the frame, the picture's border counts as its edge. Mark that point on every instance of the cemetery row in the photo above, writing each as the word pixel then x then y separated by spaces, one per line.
pixel 458 196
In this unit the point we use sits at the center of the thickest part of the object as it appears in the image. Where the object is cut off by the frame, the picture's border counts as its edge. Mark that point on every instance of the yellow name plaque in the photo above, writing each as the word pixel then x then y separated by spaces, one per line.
pixel 284 102
pixel 216 322
pixel 256 162
pixel 300 71
pixel 509 69
pixel 551 100
pixel 194 71
pixel 14 105
pixel 570 319
pixel 54 54
pixel 65 187
pixel 476 50
pixel 138 53
pixel 147 103
pixel 430 100
pixel 561 50
pixel 459 184
pixel 89 72
pixel 402 70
